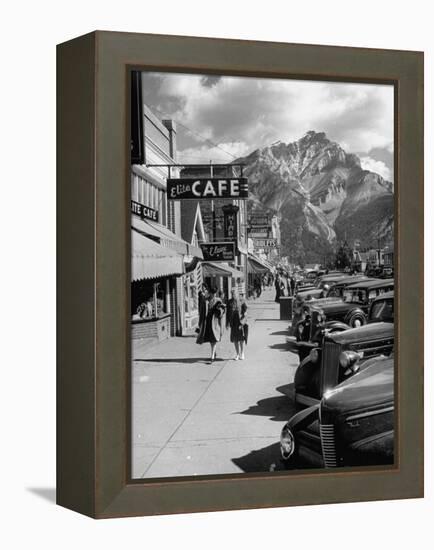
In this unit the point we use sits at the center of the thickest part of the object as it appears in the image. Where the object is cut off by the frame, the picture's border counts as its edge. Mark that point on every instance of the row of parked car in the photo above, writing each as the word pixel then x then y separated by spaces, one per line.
pixel 343 332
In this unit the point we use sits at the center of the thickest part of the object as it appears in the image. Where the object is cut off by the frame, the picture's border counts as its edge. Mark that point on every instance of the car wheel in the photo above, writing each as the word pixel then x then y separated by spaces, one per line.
pixel 357 321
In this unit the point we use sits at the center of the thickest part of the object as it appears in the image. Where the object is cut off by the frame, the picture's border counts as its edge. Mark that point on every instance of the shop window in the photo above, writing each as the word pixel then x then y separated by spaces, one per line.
pixel 149 300
pixel 190 293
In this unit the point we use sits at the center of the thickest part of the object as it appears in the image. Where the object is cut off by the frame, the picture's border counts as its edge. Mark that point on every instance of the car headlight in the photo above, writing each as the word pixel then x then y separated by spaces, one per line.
pixel 348 359
pixel 319 318
pixel 287 443
pixel 313 356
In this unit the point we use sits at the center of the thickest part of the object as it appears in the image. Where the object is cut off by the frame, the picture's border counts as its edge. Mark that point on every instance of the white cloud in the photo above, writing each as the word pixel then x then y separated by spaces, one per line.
pixel 377 166
pixel 257 112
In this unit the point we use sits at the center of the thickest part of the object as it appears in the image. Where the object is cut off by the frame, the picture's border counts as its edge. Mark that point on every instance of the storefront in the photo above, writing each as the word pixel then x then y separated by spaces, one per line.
pixel 164 303
pixel 258 270
pixel 223 277
pixel 154 271
pixel 192 281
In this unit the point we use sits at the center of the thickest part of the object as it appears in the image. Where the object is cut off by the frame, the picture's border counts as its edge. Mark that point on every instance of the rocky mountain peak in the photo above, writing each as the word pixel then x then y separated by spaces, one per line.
pixel 321 193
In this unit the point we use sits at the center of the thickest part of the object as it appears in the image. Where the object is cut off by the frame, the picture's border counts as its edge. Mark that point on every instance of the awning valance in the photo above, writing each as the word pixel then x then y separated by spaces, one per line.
pixel 212 269
pixel 165 236
pixel 256 265
pixel 150 260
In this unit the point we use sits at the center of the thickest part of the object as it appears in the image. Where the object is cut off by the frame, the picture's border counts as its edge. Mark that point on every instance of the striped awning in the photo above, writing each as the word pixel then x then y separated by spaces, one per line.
pixel 213 269
pixel 149 260
pixel 165 237
pixel 256 265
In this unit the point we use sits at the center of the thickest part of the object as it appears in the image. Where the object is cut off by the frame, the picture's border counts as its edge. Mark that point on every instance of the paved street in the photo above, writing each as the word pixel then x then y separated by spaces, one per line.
pixel 191 417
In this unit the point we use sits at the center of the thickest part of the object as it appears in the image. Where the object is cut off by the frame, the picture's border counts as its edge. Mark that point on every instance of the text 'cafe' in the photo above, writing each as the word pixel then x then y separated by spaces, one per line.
pixel 212 188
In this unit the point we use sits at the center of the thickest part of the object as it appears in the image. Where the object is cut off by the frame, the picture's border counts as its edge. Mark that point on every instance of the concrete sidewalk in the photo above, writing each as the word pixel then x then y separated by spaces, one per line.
pixel 191 417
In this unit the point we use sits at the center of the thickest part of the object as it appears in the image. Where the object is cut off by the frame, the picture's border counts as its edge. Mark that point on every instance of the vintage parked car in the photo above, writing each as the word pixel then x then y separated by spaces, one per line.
pixel 313 321
pixel 386 273
pixel 337 289
pixel 307 281
pixel 323 359
pixel 323 284
pixel 354 306
pixel 353 425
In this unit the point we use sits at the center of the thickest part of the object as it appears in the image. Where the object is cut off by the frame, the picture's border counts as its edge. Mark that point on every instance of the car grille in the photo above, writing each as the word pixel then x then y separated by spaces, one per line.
pixel 327 432
pixel 330 365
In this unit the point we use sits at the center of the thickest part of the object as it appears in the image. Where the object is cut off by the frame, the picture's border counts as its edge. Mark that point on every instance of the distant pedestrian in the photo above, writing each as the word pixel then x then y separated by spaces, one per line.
pixel 283 286
pixel 238 324
pixel 277 287
pixel 211 326
pixel 291 285
pixel 258 287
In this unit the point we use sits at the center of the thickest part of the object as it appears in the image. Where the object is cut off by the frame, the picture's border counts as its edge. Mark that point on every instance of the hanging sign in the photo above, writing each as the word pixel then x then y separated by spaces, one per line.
pixel 218 252
pixel 260 220
pixel 145 212
pixel 207 188
pixel 265 243
pixel 230 223
pixel 258 234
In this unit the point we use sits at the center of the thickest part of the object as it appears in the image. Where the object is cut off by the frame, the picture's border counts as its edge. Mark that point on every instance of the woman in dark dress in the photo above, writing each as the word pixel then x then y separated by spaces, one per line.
pixel 211 322
pixel 238 324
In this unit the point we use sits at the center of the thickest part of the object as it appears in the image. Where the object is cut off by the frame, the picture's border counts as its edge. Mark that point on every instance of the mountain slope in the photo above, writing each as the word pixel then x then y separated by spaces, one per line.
pixel 322 195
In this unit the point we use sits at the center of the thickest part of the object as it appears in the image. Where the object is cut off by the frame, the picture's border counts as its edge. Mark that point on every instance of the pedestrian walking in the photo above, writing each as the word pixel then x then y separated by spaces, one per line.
pixel 238 325
pixel 258 287
pixel 211 322
pixel 277 287
pixel 283 286
pixel 292 285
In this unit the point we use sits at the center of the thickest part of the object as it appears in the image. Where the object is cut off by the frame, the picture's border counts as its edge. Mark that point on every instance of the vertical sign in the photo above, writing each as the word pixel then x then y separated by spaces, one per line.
pixel 230 224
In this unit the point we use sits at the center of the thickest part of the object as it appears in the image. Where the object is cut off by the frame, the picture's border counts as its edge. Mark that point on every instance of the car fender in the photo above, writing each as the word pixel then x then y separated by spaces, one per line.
pixel 380 447
pixel 303 418
pixel 333 326
pixel 304 375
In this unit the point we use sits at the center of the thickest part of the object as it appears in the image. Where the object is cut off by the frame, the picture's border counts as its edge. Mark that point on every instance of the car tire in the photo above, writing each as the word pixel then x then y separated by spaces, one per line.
pixel 357 320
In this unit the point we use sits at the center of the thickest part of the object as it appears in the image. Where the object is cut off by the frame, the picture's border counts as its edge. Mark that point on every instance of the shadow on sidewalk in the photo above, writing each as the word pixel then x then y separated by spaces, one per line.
pixel 184 360
pixel 281 347
pixel 279 333
pixel 261 460
pixel 277 408
pixel 287 389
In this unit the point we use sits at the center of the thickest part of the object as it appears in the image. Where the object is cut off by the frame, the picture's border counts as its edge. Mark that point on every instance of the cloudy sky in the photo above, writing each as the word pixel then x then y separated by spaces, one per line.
pixel 221 118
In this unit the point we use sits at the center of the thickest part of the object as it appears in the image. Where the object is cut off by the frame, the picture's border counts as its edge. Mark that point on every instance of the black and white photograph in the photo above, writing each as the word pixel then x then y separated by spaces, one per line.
pixel 262 275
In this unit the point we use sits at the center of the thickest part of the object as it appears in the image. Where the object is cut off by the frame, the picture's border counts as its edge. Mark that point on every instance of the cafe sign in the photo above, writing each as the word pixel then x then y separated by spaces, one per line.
pixel 145 212
pixel 218 252
pixel 207 188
